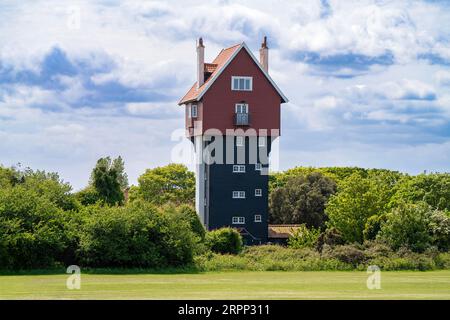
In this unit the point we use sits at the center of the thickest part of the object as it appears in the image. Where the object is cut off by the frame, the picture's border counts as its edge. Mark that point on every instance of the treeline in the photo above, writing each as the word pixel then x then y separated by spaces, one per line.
pixel 355 205
pixel 44 224
pixel 344 213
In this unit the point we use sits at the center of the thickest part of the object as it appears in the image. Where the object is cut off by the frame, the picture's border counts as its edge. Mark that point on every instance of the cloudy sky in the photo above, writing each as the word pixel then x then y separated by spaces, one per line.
pixel 368 81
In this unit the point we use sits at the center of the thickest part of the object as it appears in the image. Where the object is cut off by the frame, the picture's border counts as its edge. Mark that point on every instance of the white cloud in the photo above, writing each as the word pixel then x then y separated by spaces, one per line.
pixel 346 112
pixel 443 77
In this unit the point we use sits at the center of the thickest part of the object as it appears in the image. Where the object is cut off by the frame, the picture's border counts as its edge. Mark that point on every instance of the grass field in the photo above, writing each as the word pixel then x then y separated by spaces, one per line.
pixel 231 285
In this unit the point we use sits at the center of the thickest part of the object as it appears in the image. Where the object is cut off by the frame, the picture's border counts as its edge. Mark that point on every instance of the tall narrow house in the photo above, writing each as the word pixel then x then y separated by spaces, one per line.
pixel 232 118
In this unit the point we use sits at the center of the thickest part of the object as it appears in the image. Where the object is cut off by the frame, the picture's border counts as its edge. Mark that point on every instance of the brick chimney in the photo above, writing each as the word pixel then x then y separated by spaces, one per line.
pixel 200 63
pixel 264 55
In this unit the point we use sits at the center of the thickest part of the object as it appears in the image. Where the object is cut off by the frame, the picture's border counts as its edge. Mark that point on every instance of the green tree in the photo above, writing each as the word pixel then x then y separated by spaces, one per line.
pixel 136 235
pixel 304 237
pixel 8 177
pixel 106 178
pixel 408 226
pixel 171 183
pixel 119 165
pixel 440 229
pixel 33 230
pixel 433 189
pixel 88 196
pixel 357 199
pixel 302 200
pixel 373 226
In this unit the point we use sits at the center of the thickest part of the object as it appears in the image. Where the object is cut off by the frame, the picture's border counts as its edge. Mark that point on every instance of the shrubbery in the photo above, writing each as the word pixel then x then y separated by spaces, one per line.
pixel 304 237
pixel 395 221
pixel 33 230
pixel 407 226
pixel 224 240
pixel 137 235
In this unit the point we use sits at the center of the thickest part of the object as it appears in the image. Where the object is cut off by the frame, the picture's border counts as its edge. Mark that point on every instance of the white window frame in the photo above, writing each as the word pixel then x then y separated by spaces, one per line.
pixel 258 218
pixel 238 168
pixel 258 192
pixel 238 220
pixel 189 111
pixel 240 107
pixel 244 78
pixel 239 141
pixel 258 166
pixel 262 141
pixel 238 194
pixel 194 111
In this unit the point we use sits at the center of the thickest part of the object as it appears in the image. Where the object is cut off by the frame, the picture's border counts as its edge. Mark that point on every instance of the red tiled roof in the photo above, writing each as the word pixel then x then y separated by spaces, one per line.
pixel 221 59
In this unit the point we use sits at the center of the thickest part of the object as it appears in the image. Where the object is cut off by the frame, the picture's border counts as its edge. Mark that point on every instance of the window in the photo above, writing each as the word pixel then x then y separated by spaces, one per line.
pixel 258 218
pixel 242 83
pixel 238 194
pixel 258 166
pixel 238 220
pixel 239 141
pixel 258 193
pixel 241 108
pixel 194 111
pixel 262 141
pixel 239 168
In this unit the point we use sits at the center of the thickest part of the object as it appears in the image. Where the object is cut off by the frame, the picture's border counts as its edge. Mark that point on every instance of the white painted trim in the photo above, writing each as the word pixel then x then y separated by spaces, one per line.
pixel 260 218
pixel 241 104
pixel 239 220
pixel 239 194
pixel 194 114
pixel 242 45
pixel 241 77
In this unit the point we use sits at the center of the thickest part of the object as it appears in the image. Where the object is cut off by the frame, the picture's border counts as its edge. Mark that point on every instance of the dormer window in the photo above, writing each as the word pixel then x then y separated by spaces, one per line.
pixel 241 83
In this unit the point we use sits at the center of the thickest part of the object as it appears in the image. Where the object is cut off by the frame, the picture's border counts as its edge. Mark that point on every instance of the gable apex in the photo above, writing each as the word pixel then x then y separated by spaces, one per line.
pixel 222 60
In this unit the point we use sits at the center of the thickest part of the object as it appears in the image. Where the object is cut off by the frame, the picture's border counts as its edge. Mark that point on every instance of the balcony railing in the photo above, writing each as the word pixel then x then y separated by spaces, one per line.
pixel 242 119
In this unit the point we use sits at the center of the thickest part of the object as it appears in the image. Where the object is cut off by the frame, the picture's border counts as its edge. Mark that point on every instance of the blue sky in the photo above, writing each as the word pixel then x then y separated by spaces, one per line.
pixel 368 81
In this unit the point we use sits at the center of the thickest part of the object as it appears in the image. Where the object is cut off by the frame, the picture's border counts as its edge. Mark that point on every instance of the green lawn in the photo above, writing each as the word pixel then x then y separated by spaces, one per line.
pixel 231 285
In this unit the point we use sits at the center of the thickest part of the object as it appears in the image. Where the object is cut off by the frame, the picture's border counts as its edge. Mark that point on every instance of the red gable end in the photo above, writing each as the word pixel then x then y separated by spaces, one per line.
pixel 221 62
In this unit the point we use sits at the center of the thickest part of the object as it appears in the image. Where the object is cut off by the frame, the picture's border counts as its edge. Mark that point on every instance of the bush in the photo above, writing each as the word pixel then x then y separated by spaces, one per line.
pixel 134 236
pixel 350 254
pixel 440 229
pixel 304 237
pixel 33 230
pixel 224 240
pixel 330 237
pixel 270 258
pixel 191 216
pixel 373 226
pixel 408 226
pixel 376 248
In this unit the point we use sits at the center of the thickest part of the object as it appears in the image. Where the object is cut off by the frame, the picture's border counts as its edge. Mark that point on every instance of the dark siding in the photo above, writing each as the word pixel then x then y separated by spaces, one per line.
pixel 222 207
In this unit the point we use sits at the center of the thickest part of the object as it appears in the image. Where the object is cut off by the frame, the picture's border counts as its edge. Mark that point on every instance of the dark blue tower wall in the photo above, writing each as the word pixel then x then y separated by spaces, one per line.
pixel 222 181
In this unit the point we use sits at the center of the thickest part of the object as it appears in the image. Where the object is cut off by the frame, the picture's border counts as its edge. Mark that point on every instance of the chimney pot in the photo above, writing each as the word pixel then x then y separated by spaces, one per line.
pixel 264 55
pixel 200 63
